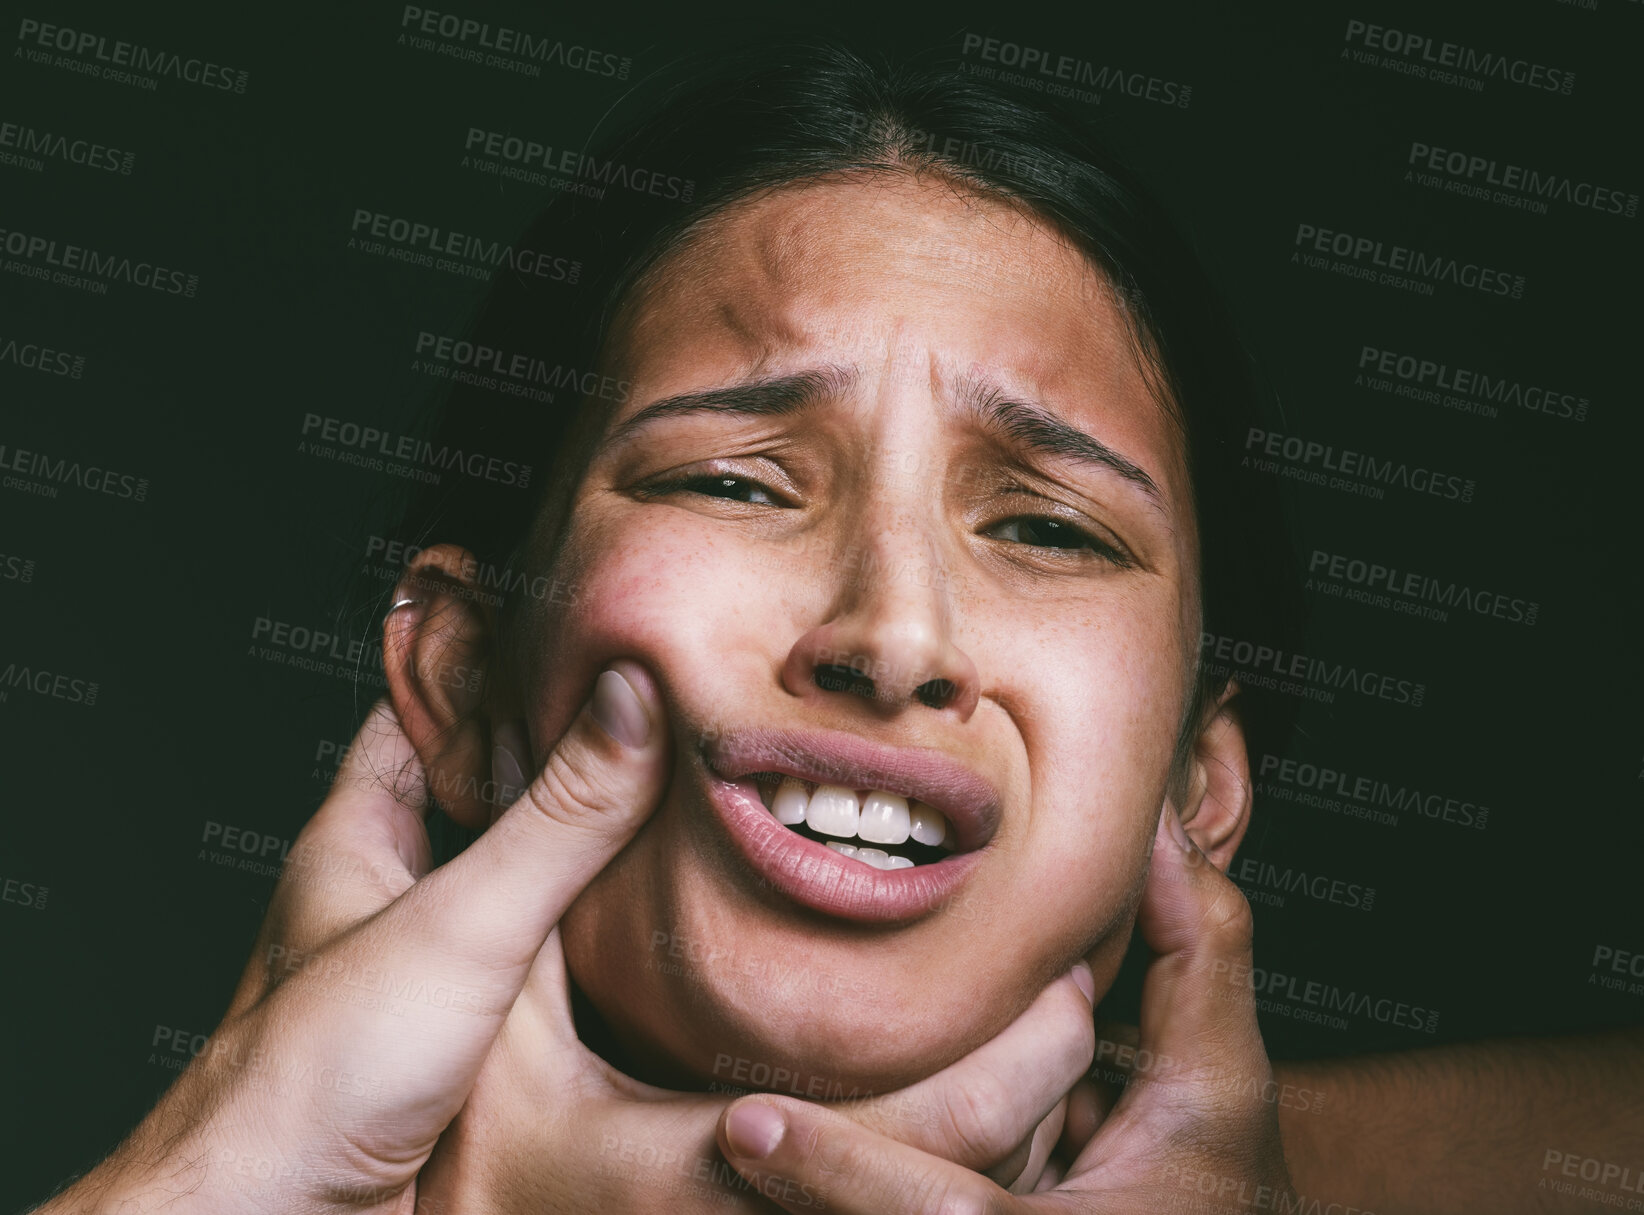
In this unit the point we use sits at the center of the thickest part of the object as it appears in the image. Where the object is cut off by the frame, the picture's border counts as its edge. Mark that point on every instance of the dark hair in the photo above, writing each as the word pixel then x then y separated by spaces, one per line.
pixel 720 129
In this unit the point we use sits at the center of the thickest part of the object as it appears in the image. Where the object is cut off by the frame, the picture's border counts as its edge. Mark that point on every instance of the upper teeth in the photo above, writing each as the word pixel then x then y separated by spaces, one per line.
pixel 879 818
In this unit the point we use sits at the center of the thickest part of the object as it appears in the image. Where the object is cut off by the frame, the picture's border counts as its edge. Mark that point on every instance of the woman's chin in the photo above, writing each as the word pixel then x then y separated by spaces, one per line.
pixel 832 1044
pixel 877 1056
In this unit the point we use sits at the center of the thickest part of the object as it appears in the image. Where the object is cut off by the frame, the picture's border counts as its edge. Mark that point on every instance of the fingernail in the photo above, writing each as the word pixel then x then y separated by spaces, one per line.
pixel 616 708
pixel 1179 832
pixel 1085 980
pixel 754 1128
pixel 506 772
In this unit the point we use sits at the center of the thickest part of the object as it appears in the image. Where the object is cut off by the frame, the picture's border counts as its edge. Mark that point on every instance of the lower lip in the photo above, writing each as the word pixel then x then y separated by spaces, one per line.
pixel 817 877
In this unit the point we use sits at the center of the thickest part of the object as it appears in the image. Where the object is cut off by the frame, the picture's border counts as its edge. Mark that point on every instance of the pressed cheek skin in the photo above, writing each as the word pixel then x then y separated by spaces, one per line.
pixel 702 970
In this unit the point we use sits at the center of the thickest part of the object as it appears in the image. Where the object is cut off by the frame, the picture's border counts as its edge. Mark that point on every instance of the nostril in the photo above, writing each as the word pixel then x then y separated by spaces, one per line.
pixel 937 693
pixel 833 678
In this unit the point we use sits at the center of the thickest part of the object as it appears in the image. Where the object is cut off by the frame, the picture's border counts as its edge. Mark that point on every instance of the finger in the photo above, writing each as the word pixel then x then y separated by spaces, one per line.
pixel 1199 926
pixel 806 1157
pixel 1088 1104
pixel 1044 1141
pixel 982 1111
pixel 374 815
pixel 363 847
pixel 483 917
pixel 1198 1045
pixel 1116 1048
pixel 415 996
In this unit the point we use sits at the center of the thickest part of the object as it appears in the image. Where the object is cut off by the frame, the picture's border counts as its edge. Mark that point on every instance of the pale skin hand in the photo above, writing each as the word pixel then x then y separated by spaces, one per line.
pixel 1196 1120
pixel 551 1127
pixel 378 989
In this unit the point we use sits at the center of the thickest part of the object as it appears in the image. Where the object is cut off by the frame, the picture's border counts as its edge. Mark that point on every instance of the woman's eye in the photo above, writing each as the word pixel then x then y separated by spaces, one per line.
pixel 1042 532
pixel 736 489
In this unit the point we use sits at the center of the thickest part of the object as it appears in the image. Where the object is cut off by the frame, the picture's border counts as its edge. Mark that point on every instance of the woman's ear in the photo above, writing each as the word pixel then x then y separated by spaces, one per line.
pixel 1216 811
pixel 439 655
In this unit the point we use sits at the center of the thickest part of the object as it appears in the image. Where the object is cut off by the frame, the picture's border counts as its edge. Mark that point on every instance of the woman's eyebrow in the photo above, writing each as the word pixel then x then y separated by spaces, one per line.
pixel 1029 427
pixel 778 396
pixel 1036 429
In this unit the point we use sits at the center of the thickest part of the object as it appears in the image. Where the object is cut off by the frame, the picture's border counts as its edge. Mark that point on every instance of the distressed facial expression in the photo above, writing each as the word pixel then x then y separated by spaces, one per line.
pixel 895 520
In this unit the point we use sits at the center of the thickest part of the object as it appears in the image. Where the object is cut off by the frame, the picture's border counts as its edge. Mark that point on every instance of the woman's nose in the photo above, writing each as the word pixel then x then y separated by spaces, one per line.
pixel 889 640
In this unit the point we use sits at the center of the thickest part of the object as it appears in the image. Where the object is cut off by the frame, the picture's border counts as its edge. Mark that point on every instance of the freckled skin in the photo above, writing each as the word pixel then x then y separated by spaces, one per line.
pixel 886 543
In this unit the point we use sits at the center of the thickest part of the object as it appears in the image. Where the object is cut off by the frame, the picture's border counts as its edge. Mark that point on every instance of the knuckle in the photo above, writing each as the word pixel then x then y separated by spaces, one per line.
pixel 945 1198
pixel 1228 920
pixel 978 1121
pixel 572 787
pixel 1079 1043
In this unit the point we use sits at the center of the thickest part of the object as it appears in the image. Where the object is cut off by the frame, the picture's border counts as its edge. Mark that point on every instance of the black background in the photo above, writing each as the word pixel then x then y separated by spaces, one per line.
pixel 106 806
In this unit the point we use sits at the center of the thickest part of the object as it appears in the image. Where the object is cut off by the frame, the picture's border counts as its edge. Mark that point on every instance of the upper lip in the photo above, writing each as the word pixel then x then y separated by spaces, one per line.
pixel 834 757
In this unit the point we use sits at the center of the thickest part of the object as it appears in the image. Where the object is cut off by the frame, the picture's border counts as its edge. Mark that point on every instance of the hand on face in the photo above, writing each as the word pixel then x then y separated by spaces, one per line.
pixel 1192 1116
pixel 549 1125
pixel 378 987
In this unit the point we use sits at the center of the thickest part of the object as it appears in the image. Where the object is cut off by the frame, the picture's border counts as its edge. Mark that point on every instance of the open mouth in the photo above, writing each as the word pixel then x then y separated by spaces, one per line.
pixel 876 827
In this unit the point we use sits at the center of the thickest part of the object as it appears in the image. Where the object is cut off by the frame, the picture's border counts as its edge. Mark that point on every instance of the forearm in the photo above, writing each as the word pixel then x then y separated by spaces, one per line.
pixel 1513 1125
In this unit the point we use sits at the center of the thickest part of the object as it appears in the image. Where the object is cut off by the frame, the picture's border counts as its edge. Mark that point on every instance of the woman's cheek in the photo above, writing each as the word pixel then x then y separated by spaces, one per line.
pixel 630 603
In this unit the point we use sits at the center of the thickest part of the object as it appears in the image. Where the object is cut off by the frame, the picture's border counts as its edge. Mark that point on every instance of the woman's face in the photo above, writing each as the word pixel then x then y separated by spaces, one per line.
pixel 889 507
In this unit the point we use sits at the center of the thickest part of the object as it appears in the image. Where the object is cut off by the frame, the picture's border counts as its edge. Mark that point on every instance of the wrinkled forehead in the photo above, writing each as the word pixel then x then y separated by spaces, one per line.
pixel 888 274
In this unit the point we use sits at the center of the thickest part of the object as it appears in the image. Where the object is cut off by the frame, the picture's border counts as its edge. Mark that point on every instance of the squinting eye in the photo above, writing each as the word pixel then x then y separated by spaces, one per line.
pixel 738 489
pixel 1042 532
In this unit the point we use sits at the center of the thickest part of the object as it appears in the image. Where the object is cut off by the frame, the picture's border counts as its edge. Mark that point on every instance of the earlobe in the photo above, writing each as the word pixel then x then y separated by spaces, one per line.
pixel 437 646
pixel 1217 810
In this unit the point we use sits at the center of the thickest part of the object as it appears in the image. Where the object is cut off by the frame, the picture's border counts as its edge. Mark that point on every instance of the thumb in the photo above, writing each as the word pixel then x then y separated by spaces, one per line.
pixel 489 909
pixel 1198 1015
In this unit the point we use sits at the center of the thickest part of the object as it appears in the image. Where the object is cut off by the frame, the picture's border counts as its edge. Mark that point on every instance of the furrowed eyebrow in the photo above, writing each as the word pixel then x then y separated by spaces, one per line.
pixel 780 397
pixel 1028 426
pixel 1036 429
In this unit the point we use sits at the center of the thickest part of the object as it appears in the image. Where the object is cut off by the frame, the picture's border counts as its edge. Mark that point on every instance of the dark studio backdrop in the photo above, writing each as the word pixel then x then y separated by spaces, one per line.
pixel 1425 217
